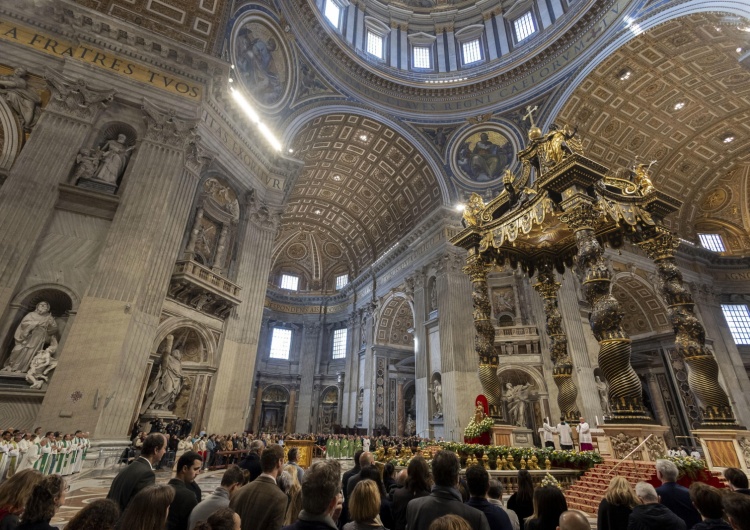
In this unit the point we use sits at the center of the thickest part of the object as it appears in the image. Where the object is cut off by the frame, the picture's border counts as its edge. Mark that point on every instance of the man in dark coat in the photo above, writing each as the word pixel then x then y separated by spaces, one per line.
pixel 707 500
pixel 262 504
pixel 478 481
pixel 650 515
pixel 674 496
pixel 252 461
pixel 737 508
pixel 445 498
pixel 737 480
pixel 188 467
pixel 140 473
pixel 321 500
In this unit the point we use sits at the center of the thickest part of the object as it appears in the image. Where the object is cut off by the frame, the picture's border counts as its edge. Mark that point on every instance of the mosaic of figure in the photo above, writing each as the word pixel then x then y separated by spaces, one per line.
pixel 517 398
pixel 487 158
pixel 256 61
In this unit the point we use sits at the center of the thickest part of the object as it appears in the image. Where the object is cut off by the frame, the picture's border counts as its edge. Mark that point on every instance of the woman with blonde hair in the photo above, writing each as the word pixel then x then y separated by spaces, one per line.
pixel 450 522
pixel 14 494
pixel 364 507
pixel 615 508
pixel 294 493
pixel 149 509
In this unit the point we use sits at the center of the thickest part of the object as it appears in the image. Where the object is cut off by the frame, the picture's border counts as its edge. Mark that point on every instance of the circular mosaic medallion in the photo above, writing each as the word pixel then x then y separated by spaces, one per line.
pixel 483 154
pixel 332 250
pixel 296 251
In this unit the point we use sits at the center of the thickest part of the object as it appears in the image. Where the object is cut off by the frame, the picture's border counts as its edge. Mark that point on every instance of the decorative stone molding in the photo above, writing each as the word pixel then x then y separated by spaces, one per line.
pixel 197 156
pixel 164 126
pixel 74 98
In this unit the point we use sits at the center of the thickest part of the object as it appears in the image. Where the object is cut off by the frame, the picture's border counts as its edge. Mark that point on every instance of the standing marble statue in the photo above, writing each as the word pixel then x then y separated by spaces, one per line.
pixel 41 365
pixel 35 331
pixel 603 389
pixel 114 159
pixel 21 98
pixel 437 394
pixel 166 386
pixel 411 426
pixel 517 397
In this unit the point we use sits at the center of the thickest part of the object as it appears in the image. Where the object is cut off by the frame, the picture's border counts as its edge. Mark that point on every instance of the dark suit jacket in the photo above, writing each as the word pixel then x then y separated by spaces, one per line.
pixel 677 499
pixel 401 498
pixel 251 463
pixel 182 505
pixel 442 501
pixel 260 504
pixel 130 481
pixel 496 516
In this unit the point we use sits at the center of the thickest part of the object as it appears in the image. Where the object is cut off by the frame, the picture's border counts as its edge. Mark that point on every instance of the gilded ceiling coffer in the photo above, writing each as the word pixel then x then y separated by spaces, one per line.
pixel 560 211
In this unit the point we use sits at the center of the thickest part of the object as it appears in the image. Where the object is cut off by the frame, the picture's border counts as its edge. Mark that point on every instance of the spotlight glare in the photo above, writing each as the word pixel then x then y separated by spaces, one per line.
pixel 460 207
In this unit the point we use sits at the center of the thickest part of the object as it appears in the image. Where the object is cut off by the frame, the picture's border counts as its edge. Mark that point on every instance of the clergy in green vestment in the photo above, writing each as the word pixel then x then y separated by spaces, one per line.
pixel 329 446
pixel 344 448
pixel 357 445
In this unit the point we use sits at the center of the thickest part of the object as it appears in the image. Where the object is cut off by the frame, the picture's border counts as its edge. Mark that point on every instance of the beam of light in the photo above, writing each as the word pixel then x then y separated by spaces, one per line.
pixel 250 112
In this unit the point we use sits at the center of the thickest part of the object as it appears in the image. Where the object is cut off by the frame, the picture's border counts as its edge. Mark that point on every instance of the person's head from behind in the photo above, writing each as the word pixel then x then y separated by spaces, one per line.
pixel 737 509
pixel 418 474
pixel 573 520
pixel 736 478
pixel 495 491
pixel 450 522
pixel 478 481
pixel 388 470
pixel 320 487
pixel 619 493
pixel 292 455
pixel 549 503
pixel 372 473
pixel 707 500
pixel 364 504
pixel 292 471
pixel 666 471
pixel 256 447
pixel 149 508
pixel 445 468
pixel 646 493
pixel 46 498
pixel 154 447
pixel 15 492
pixel 284 481
pixel 101 514
pixel 366 459
pixel 224 519
pixel 188 466
pixel 525 491
pixel 233 479
pixel 357 455
pixel 272 459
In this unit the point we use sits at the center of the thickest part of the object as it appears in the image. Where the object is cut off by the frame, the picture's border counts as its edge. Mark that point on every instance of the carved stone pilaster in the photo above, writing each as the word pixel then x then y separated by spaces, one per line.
pixel 606 317
pixel 477 269
pixel 260 213
pixel 73 98
pixel 196 156
pixel 562 371
pixel 690 336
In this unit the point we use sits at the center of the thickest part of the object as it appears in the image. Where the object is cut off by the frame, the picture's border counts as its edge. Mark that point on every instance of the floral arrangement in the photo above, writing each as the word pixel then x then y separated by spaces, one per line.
pixel 475 429
pixel 549 480
pixel 688 465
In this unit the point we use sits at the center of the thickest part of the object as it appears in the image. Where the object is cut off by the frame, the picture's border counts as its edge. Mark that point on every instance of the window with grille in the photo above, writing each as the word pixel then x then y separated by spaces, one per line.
pixel 472 51
pixel 524 26
pixel 712 242
pixel 339 344
pixel 341 281
pixel 374 44
pixel 290 282
pixel 421 57
pixel 281 343
pixel 333 13
pixel 738 318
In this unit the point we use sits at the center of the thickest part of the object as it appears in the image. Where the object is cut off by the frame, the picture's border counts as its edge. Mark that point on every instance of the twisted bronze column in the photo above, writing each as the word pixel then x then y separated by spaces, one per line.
pixel 562 371
pixel 690 336
pixel 484 343
pixel 625 395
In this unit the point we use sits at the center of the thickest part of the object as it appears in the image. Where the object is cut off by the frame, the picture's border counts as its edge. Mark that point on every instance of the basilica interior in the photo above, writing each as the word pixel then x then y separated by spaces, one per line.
pixel 246 212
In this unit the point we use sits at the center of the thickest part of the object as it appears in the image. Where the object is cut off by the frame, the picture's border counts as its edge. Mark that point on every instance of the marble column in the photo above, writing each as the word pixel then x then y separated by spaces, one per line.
pixel 340 380
pixel 258 405
pixel 114 332
pixel 27 198
pixel 238 355
pixel 348 397
pixel 368 385
pixel 416 289
pixel 657 400
pixel 289 423
pixel 307 371
pixel 458 358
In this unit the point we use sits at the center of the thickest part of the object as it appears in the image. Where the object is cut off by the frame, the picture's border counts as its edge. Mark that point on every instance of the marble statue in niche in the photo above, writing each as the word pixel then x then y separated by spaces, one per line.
pixel 256 63
pixel 166 386
pixel 22 99
pixel 485 160
pixel 41 365
pixel 102 167
pixel 517 398
pixel 437 395
pixel 433 295
pixel 411 426
pixel 360 403
pixel 34 333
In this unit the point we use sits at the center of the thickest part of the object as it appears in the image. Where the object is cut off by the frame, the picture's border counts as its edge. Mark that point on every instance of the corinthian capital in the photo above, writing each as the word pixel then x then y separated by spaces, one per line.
pixel 74 98
pixel 164 126
pixel 260 213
